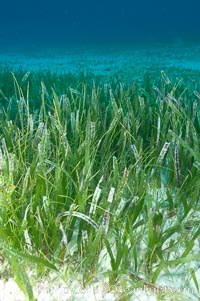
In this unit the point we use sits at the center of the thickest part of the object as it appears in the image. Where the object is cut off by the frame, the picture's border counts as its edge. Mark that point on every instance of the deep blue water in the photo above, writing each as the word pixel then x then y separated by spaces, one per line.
pixel 50 23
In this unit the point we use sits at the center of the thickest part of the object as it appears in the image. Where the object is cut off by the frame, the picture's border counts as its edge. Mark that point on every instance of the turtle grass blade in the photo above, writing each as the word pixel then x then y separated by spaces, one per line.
pixel 12 252
pixel 21 277
pixel 79 215
pixel 20 274
pixel 183 260
pixel 186 146
pixel 3 234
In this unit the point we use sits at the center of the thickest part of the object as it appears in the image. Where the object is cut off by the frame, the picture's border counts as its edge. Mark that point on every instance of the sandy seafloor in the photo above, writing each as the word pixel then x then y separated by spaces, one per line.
pixel 134 61
pixel 127 62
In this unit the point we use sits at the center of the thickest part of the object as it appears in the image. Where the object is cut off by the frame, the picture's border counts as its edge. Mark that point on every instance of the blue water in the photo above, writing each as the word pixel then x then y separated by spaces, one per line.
pixel 63 23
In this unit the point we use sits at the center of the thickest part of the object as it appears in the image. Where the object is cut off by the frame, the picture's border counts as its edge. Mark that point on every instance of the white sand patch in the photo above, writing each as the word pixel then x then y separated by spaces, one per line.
pixel 56 288
pixel 46 291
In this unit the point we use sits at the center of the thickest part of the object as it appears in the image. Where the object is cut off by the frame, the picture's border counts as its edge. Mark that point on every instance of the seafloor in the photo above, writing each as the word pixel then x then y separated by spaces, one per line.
pixel 133 61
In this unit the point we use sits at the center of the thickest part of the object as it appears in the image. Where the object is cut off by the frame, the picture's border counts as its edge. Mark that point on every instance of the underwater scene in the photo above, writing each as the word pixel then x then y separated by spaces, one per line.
pixel 99 150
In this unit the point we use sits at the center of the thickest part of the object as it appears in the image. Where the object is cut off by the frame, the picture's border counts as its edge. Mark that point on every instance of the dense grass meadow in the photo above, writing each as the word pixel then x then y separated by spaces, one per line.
pixel 99 178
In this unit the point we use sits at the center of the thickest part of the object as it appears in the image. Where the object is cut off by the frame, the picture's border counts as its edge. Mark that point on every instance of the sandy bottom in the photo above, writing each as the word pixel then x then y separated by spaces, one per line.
pixel 105 61
pixel 58 290
pixel 61 292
